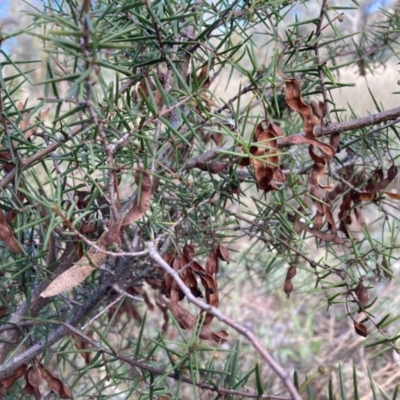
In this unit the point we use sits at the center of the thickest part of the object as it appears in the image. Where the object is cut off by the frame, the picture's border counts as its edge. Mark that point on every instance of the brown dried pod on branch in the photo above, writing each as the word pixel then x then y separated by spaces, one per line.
pixel 95 257
pixel 362 294
pixel 360 329
pixel 288 285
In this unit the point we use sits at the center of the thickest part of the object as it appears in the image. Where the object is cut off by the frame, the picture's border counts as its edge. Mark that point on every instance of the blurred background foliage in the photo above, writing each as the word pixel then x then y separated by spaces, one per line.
pixel 161 84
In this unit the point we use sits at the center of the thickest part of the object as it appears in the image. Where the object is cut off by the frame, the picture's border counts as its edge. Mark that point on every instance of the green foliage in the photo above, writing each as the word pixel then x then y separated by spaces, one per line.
pixel 196 96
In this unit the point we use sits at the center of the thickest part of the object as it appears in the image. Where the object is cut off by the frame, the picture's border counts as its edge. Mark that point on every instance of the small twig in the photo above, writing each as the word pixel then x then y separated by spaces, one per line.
pixel 7 369
pixel 93 244
pixel 283 375
pixel 126 294
pixel 156 27
pixel 319 64
pixel 350 125
pixel 103 310
pixel 155 371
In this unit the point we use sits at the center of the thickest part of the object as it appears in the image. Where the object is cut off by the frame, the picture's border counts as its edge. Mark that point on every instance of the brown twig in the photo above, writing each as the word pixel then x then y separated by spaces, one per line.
pixel 283 375
pixel 319 64
pixel 6 369
pixel 145 367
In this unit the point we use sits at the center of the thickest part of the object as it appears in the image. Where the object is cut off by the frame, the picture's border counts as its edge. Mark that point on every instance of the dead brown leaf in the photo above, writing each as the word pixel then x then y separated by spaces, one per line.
pixel 54 383
pixel 9 382
pixel 187 321
pixel 69 279
pixel 33 379
pixel 395 196
pixel 7 236
pixel 377 183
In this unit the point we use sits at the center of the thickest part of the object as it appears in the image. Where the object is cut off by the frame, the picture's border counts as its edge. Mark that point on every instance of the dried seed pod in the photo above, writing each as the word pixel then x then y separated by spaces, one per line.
pixel 223 253
pixel 362 294
pixel 292 271
pixel 387 270
pixel 188 251
pixel 212 265
pixel 288 287
pixel 360 329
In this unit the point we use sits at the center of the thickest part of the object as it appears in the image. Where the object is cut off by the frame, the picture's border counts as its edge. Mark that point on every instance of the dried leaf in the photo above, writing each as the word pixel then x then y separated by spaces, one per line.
pixel 33 380
pixel 43 114
pixel 359 216
pixel 362 293
pixel 34 377
pixel 374 187
pixel 217 138
pixel 177 263
pixel 88 228
pixel 395 196
pixel 3 311
pixel 69 279
pixel 6 160
pixel 9 382
pixel 316 174
pixel 7 236
pixel 191 282
pixel 55 384
pixel 197 268
pixel 113 235
pixel 360 329
pixel 164 308
pixel 334 141
pixel 187 321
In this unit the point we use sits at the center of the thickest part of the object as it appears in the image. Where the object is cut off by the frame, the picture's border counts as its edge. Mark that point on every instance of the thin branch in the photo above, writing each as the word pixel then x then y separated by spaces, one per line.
pixel 7 369
pixel 350 125
pixel 319 64
pixel 103 310
pixel 283 375
pixel 145 367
